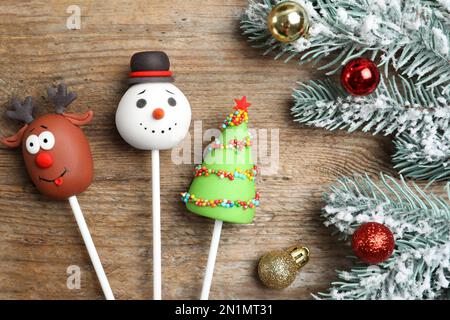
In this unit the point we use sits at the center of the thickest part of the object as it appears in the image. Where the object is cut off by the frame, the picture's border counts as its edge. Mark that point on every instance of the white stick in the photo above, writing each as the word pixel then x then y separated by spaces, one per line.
pixel 211 259
pixel 156 226
pixel 91 248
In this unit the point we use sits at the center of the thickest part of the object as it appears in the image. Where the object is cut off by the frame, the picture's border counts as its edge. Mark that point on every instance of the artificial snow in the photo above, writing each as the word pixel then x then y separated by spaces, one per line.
pixel 441 41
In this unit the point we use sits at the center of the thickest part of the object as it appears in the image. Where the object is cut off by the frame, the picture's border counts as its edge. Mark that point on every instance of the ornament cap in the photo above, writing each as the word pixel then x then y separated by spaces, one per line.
pixel 300 255
pixel 278 269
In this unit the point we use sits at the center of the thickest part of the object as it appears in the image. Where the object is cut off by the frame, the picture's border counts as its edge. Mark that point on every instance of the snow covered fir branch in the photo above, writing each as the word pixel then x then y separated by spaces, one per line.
pixel 409 35
pixel 423 156
pixel 419 267
pixel 388 110
pixel 409 42
pixel 418 117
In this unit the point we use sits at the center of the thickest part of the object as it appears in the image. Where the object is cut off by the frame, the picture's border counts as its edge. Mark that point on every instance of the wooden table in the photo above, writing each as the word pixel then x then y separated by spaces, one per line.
pixel 213 64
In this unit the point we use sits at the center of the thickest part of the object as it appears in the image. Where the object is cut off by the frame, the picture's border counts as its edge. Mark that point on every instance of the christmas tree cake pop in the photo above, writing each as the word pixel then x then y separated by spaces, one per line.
pixel 224 184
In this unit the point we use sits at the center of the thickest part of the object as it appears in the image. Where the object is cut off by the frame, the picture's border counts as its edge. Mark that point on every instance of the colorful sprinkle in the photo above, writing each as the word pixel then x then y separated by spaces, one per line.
pixel 235 144
pixel 239 116
pixel 249 174
pixel 186 197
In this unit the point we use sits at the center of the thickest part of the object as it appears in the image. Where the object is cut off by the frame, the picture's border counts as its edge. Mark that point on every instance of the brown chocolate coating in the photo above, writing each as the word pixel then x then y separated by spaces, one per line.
pixel 72 167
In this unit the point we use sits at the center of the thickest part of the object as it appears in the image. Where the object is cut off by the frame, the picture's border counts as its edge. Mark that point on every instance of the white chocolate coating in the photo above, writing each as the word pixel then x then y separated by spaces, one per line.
pixel 138 126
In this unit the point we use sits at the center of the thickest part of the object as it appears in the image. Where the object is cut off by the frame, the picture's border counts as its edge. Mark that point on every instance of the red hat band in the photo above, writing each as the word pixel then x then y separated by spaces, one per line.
pixel 149 74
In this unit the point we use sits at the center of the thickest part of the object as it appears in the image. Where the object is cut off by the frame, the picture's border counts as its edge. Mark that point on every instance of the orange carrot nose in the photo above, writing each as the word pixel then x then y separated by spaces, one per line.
pixel 44 160
pixel 158 114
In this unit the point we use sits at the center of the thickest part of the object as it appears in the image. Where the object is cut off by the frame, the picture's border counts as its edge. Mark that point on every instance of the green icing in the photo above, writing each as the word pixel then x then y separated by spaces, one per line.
pixel 213 187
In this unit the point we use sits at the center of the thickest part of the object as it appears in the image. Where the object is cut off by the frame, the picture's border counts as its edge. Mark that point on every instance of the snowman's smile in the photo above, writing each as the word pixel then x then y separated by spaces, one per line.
pixel 158 130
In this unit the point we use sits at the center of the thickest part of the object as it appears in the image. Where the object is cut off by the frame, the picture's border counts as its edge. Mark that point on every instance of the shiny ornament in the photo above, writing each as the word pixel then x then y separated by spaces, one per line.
pixel 288 21
pixel 278 269
pixel 360 77
pixel 373 242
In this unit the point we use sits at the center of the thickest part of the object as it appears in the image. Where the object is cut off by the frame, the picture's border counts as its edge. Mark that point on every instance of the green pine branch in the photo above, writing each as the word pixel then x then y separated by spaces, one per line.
pixel 388 110
pixel 409 35
pixel 418 156
pixel 418 117
pixel 412 36
pixel 420 265
pixel 441 9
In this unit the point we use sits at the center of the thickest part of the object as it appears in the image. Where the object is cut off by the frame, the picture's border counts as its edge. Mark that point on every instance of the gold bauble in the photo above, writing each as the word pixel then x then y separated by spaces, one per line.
pixel 288 21
pixel 278 269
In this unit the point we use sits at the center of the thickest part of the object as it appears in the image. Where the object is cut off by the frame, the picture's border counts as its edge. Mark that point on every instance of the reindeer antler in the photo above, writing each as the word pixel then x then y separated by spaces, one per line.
pixel 60 98
pixel 22 111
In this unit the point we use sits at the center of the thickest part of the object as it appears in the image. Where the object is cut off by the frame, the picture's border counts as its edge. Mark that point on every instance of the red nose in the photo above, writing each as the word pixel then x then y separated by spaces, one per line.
pixel 44 160
pixel 158 114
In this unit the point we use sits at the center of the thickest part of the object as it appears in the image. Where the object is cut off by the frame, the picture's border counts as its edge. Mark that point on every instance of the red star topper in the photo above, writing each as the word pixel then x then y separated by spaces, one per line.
pixel 242 104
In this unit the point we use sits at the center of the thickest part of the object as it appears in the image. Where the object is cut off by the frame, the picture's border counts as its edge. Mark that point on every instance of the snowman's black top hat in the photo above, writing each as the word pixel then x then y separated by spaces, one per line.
pixel 150 66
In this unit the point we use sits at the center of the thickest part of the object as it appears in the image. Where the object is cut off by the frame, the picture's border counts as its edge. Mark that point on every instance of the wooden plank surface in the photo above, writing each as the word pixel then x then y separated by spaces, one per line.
pixel 213 64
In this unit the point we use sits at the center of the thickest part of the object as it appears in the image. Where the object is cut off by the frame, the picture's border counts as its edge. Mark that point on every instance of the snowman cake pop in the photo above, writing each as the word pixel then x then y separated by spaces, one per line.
pixel 153 115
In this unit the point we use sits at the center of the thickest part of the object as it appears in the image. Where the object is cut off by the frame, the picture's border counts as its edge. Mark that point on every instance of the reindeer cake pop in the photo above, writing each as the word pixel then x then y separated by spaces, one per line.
pixel 58 158
pixel 153 115
pixel 55 150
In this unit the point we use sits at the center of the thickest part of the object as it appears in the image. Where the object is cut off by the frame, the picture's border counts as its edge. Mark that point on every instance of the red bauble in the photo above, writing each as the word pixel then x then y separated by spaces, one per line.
pixel 373 243
pixel 360 77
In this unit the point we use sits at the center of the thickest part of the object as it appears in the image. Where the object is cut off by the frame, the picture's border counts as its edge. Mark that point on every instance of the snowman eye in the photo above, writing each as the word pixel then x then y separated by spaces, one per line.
pixel 172 102
pixel 141 103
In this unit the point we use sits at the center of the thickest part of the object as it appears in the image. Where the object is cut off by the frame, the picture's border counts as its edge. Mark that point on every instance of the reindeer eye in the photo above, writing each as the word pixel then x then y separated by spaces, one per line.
pixel 141 103
pixel 172 102
pixel 32 144
pixel 47 140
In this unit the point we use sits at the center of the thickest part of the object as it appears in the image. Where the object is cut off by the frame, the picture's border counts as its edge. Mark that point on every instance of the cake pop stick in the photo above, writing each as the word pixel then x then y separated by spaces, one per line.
pixel 153 115
pixel 211 259
pixel 156 217
pixel 91 248
pixel 224 185
pixel 58 158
